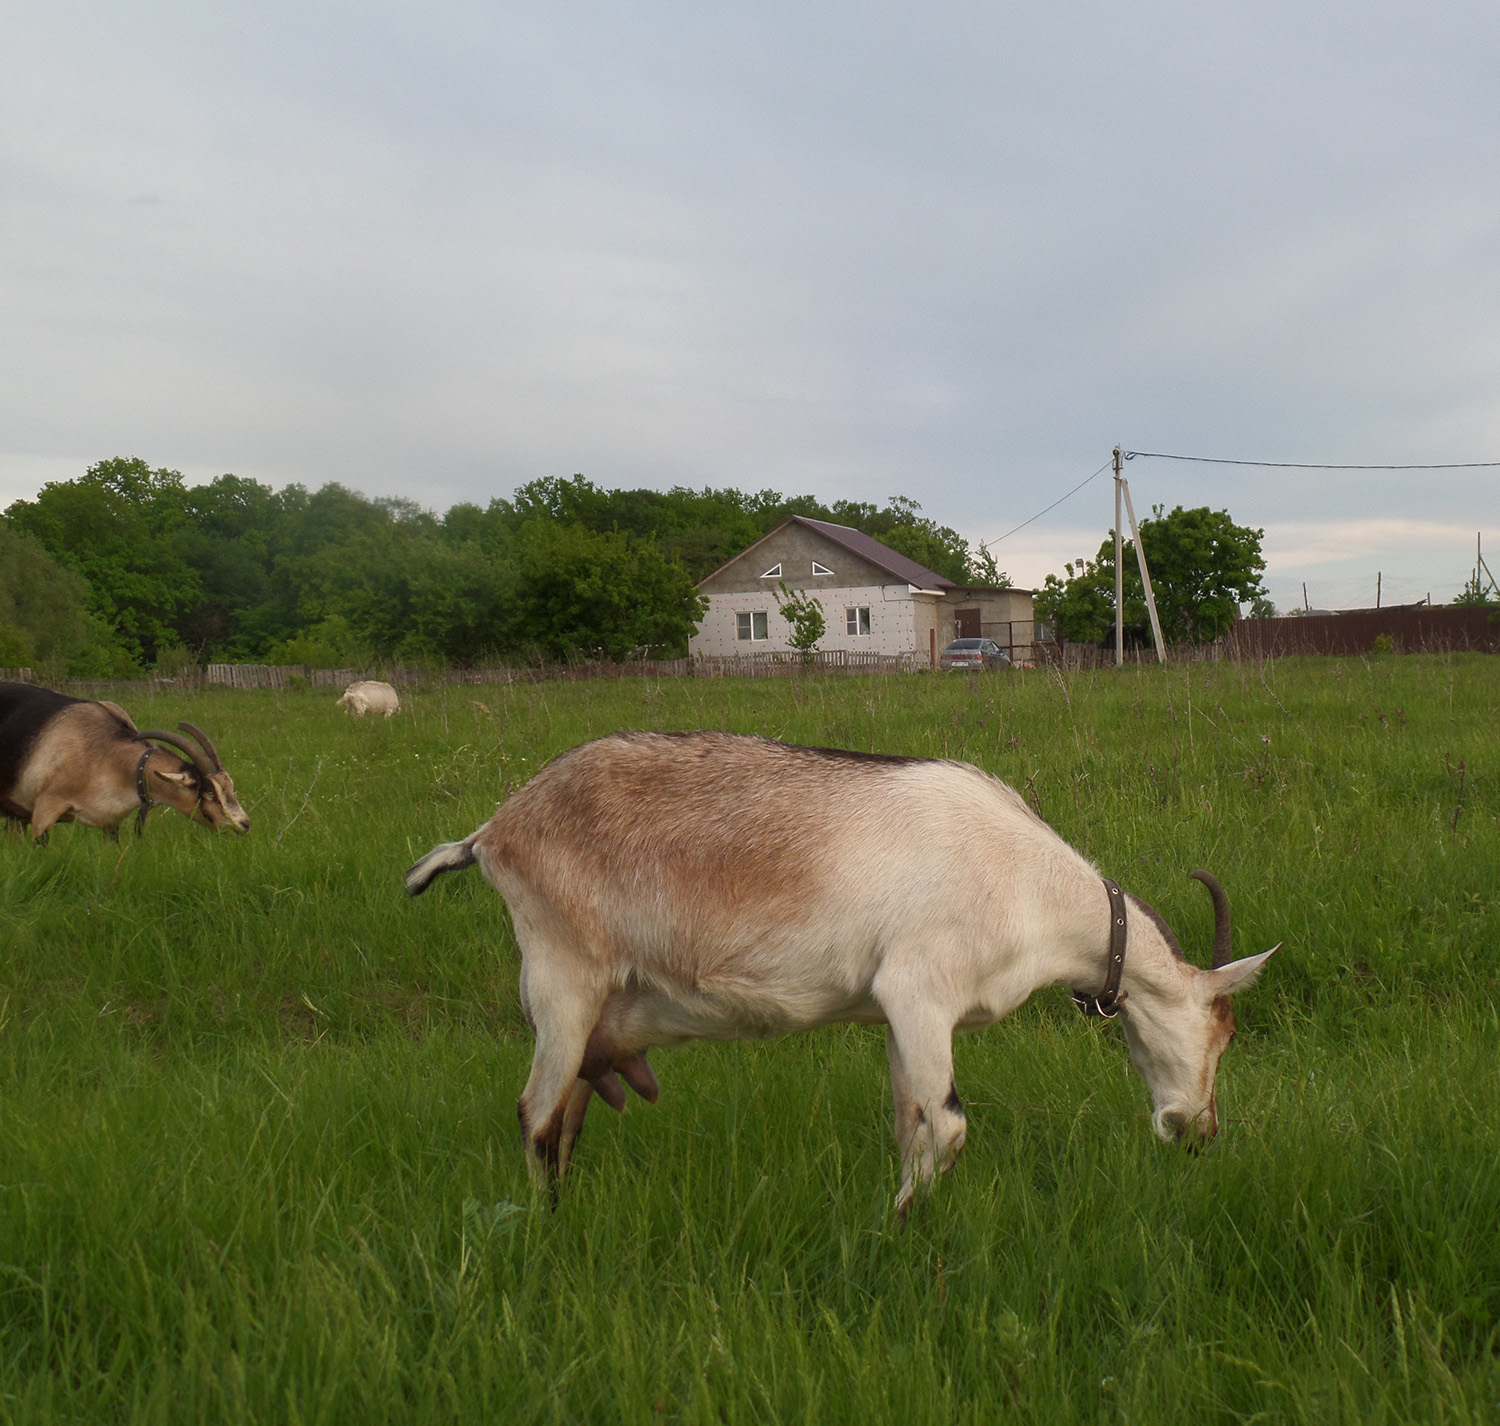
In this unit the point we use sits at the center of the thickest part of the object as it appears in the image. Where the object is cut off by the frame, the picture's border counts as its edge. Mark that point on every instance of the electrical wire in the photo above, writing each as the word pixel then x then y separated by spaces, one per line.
pixel 1305 465
pixel 1221 460
pixel 990 544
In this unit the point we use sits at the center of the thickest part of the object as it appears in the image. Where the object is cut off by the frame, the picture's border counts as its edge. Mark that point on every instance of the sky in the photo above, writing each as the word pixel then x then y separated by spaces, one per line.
pixel 953 251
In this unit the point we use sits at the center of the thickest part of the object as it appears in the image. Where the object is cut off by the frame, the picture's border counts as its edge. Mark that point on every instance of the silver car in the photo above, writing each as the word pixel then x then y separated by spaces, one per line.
pixel 974 653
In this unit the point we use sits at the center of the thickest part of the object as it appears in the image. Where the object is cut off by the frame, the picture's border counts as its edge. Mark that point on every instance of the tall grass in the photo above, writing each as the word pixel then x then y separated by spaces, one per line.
pixel 258 1153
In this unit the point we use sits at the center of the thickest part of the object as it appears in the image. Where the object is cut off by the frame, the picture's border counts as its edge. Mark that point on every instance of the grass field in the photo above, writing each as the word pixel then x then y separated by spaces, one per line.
pixel 259 1158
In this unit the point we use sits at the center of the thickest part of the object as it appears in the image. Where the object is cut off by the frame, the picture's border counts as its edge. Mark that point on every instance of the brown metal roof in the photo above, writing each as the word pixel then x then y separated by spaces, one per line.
pixel 867 547
pixel 857 543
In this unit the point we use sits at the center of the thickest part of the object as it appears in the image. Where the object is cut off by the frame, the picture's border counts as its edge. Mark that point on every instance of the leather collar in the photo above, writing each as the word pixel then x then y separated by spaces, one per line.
pixel 1106 1004
pixel 140 791
pixel 144 795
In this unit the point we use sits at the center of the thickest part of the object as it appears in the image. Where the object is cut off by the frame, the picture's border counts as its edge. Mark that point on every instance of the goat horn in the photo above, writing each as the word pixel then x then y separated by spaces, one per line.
pixel 208 747
pixel 183 746
pixel 1223 952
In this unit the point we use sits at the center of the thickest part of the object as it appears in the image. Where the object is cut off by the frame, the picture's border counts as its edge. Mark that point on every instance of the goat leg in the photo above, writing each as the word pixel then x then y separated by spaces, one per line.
pixel 572 1124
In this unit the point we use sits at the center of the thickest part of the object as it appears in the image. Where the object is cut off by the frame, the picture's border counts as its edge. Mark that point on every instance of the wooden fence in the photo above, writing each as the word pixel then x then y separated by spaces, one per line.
pixel 1422 630
pixel 256 675
pixel 252 675
pixel 759 665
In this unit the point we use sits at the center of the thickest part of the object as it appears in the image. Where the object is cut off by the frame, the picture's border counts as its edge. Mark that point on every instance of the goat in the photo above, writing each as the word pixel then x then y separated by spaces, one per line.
pixel 370 696
pixel 66 759
pixel 668 887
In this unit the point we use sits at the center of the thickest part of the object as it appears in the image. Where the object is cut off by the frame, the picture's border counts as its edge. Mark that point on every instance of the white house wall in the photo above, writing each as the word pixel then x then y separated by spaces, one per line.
pixel 899 621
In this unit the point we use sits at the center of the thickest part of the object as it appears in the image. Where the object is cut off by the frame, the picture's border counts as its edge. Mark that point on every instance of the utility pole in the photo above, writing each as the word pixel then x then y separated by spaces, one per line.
pixel 1377 589
pixel 1140 559
pixel 1119 567
pixel 1479 556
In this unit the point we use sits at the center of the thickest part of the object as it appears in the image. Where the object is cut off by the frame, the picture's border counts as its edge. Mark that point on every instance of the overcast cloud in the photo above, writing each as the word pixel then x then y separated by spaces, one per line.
pixel 953 251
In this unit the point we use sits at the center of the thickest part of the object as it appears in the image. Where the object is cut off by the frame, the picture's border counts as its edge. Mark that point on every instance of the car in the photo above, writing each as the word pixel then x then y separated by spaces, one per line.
pixel 974 653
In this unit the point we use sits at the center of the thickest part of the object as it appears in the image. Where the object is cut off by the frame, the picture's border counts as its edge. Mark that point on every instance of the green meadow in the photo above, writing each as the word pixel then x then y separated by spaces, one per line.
pixel 258 1149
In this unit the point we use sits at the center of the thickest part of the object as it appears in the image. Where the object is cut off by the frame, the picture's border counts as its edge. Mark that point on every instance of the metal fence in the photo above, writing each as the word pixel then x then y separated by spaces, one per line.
pixel 1426 630
pixel 1440 629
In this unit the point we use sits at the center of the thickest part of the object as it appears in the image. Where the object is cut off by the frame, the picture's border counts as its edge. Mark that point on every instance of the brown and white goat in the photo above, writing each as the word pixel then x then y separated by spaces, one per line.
pixel 673 887
pixel 66 759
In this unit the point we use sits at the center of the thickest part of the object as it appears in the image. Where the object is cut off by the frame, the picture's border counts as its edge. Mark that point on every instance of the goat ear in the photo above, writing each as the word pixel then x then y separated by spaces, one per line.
pixel 1237 975
pixel 179 774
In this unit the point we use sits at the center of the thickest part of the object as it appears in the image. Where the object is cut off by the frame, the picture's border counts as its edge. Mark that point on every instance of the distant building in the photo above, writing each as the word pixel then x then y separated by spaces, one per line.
pixel 874 600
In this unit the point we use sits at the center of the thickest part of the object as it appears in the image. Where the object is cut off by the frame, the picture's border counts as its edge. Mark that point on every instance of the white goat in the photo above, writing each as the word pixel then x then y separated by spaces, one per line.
pixel 672 887
pixel 370 696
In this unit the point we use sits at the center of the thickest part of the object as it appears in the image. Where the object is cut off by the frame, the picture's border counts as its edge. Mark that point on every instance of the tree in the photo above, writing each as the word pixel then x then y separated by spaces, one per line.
pixel 403 593
pixel 984 570
pixel 117 526
pixel 1202 566
pixel 1082 609
pixel 577 592
pixel 44 618
pixel 805 614
pixel 1478 592
pixel 235 570
pixel 226 541
pixel 698 529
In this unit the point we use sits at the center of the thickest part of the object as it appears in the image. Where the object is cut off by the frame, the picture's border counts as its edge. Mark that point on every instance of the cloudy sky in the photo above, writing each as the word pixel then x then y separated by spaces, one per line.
pixel 955 251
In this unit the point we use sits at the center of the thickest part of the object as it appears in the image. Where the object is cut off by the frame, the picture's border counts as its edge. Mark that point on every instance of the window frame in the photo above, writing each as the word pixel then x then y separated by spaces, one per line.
pixel 858 623
pixel 747 619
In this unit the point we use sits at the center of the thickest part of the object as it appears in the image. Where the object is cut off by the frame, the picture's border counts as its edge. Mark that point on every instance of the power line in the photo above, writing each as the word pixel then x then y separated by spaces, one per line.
pixel 1306 465
pixel 1222 460
pixel 990 544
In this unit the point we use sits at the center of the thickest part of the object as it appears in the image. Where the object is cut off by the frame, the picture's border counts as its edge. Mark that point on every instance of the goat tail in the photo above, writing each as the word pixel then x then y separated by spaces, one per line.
pixel 450 856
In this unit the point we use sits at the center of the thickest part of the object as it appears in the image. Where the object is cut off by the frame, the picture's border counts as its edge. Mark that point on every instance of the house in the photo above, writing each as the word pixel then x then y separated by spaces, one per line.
pixel 874 600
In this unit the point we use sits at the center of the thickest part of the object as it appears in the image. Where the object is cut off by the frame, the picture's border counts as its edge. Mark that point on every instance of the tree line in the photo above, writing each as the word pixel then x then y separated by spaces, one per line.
pixel 128 568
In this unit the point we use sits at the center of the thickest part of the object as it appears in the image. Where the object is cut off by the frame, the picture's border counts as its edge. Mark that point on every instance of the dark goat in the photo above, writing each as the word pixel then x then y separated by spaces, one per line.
pixel 66 759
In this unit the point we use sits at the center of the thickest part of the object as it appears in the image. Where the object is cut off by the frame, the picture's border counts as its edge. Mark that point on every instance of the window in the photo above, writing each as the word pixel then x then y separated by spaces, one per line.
pixel 820 568
pixel 773 573
pixel 752 625
pixel 857 620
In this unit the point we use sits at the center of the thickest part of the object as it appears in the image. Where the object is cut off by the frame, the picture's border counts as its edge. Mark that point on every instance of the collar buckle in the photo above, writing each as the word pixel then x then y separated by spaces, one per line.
pixel 1105 1005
